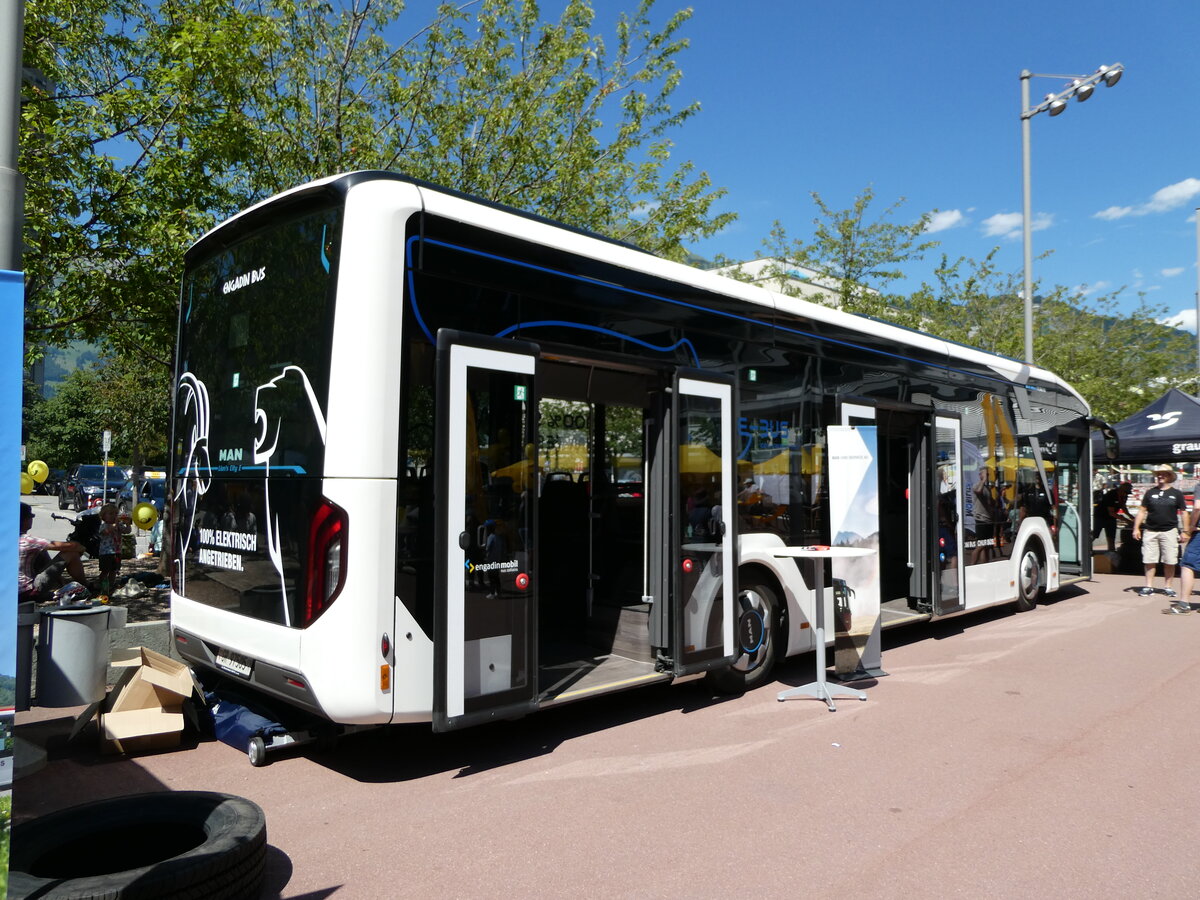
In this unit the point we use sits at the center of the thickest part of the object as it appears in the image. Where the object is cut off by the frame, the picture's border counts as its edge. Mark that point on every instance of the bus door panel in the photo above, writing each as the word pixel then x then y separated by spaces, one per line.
pixel 947 498
pixel 922 516
pixel 485 606
pixel 1069 478
pixel 704 507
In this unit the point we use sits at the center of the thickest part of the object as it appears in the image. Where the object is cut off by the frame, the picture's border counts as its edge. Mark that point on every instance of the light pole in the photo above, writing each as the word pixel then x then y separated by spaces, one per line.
pixel 1080 87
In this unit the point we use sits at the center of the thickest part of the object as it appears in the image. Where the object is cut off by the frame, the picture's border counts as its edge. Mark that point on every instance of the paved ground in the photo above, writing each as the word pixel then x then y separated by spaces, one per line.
pixel 1006 755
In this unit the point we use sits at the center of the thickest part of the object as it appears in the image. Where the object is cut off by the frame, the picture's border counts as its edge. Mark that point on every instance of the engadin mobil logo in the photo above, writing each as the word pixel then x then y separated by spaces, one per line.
pixel 508 565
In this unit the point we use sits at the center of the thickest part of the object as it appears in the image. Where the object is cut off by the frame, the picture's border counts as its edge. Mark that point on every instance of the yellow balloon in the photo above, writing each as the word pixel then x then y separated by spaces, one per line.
pixel 38 470
pixel 144 516
pixel 26 483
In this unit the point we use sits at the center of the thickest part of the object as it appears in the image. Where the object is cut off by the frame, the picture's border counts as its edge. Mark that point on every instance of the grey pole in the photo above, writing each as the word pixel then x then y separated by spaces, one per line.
pixel 12 24
pixel 1198 295
pixel 1027 228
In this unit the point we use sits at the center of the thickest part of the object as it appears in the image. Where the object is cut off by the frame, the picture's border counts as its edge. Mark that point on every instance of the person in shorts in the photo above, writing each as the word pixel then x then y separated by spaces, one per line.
pixel 1189 565
pixel 1157 526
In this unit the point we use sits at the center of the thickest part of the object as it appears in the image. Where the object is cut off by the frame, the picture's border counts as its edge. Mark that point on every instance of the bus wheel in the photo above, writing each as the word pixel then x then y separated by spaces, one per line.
pixel 756 634
pixel 1030 584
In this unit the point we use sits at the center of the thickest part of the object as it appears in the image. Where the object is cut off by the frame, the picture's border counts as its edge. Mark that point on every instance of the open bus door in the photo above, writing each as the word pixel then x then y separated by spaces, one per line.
pixel 949 485
pixel 486 592
pixel 703 539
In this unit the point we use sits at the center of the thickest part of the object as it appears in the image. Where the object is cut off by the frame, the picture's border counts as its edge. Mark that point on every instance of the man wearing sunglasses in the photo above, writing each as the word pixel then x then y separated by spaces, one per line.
pixel 1157 526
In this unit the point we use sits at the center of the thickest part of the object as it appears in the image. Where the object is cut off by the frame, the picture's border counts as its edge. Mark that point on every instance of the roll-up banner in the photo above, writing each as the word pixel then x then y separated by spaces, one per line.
pixel 854 522
pixel 12 330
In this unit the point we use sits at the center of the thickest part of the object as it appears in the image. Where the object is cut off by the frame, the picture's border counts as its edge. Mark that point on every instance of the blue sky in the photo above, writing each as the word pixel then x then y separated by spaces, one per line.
pixel 922 100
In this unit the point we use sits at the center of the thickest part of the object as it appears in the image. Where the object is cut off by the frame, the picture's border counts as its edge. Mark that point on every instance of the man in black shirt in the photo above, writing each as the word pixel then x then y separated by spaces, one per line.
pixel 1108 510
pixel 1159 514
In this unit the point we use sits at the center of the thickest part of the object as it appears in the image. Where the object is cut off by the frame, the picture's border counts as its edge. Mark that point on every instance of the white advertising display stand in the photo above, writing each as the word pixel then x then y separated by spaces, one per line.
pixel 854 522
pixel 816 556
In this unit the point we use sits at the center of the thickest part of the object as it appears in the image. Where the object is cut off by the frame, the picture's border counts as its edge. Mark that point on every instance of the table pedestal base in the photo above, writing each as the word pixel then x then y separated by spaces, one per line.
pixel 821 690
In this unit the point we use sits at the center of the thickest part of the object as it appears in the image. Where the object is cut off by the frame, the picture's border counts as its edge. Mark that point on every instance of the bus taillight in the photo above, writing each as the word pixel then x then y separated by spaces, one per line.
pixel 326 559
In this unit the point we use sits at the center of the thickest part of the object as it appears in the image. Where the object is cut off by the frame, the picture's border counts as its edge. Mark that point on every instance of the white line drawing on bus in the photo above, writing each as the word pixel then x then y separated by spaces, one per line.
pixel 195 476
pixel 266 443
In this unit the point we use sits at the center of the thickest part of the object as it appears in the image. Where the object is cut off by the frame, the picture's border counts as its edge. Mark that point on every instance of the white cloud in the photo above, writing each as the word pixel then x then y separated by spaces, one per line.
pixel 1165 199
pixel 1174 195
pixel 1088 289
pixel 1008 225
pixel 1172 272
pixel 947 218
pixel 1184 320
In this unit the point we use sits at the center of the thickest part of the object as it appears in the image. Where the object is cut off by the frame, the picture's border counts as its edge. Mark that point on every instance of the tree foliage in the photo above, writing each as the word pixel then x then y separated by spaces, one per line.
pixel 170 115
pixel 116 394
pixel 860 255
pixel 1118 360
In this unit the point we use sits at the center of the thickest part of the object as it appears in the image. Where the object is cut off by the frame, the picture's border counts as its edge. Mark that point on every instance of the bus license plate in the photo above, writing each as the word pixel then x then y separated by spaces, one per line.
pixel 234 662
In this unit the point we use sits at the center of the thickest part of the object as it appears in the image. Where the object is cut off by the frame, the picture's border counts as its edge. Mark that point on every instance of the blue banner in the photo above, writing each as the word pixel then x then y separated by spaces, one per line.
pixel 12 331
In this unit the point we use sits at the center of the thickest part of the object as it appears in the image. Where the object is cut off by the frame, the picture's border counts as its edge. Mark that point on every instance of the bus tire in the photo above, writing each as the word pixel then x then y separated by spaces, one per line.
pixel 182 844
pixel 1031 581
pixel 757 634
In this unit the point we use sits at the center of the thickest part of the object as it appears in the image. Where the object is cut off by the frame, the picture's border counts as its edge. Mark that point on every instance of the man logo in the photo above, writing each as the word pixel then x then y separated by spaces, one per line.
pixel 1168 419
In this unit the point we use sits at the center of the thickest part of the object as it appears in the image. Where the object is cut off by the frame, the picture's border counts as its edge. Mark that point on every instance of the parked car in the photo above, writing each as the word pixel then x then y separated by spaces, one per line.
pixel 154 490
pixel 53 480
pixel 83 486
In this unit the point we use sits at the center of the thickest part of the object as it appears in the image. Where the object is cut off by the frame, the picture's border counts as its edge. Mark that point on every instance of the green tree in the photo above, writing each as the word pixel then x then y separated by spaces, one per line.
pixel 130 400
pixel 127 161
pixel 859 254
pixel 1086 342
pixel 975 302
pixel 170 115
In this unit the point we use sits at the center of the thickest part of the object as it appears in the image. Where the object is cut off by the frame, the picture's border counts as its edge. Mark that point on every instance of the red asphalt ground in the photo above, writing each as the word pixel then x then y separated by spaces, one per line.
pixel 1050 753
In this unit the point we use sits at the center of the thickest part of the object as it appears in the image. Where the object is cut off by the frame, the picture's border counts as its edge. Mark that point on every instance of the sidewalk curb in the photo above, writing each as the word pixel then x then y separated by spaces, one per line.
pixel 152 635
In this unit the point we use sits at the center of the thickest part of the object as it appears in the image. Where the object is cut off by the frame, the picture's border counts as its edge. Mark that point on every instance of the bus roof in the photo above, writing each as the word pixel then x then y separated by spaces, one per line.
pixel 494 216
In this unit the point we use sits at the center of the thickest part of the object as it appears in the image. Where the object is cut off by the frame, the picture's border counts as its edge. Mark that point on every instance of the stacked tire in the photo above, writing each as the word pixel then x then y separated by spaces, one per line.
pixel 189 845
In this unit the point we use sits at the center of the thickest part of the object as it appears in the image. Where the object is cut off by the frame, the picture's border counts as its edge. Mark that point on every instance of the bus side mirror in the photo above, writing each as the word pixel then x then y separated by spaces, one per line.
pixel 1112 446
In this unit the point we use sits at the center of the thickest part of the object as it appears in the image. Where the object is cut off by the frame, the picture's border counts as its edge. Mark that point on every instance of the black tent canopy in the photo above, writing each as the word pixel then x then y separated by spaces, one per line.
pixel 1166 431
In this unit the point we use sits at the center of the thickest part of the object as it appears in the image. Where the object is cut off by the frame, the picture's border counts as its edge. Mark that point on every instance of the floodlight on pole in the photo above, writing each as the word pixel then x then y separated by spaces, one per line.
pixel 1080 87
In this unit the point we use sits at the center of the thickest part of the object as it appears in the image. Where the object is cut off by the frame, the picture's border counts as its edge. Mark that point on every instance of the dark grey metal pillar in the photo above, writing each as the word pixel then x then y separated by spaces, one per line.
pixel 12 28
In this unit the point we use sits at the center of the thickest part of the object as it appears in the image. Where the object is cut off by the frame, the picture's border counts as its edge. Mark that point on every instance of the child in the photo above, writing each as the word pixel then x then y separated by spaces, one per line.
pixel 111 532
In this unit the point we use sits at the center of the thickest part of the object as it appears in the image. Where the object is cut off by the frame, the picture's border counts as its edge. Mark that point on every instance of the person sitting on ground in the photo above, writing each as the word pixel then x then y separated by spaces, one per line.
pixel 39 574
pixel 1160 513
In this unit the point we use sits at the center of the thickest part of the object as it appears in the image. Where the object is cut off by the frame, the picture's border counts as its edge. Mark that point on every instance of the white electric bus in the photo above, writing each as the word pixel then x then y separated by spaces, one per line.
pixel 436 460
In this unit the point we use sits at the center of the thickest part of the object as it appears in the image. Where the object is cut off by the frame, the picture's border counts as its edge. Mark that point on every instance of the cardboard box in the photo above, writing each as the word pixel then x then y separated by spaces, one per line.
pixel 145 709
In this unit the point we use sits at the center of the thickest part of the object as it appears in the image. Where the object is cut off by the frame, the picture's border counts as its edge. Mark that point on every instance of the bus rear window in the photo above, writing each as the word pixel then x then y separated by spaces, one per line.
pixel 248 449
pixel 254 341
